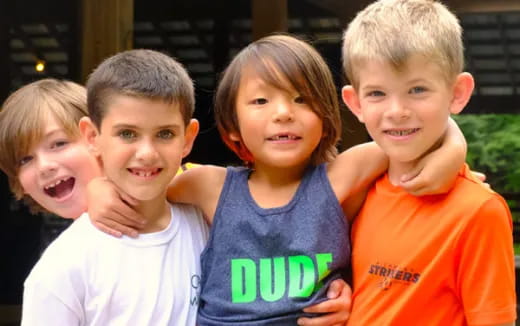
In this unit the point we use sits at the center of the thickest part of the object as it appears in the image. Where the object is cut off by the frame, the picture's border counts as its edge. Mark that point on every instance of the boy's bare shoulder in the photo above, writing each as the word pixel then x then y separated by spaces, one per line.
pixel 209 174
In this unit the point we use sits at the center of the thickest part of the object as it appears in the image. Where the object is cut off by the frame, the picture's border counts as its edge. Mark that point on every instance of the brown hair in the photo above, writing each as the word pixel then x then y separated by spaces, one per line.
pixel 393 30
pixel 140 73
pixel 24 115
pixel 276 58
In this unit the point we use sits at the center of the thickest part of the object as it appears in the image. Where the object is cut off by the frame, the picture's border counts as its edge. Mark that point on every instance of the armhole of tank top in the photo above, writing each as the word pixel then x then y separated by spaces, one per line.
pixel 230 175
pixel 325 178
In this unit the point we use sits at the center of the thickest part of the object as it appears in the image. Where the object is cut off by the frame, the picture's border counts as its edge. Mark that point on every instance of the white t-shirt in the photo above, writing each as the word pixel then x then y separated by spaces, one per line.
pixel 86 277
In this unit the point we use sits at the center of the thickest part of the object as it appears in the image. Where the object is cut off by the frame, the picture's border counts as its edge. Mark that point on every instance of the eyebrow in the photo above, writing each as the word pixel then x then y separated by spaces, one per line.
pixel 130 126
pixel 418 80
pixel 371 86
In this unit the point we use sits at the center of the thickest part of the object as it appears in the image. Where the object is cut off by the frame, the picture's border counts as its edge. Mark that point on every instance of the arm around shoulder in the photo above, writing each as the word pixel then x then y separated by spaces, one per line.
pixel 200 187
pixel 356 168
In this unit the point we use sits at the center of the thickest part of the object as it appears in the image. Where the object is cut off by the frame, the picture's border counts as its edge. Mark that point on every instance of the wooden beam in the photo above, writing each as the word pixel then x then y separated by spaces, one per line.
pixel 107 28
pixel 5 59
pixel 269 16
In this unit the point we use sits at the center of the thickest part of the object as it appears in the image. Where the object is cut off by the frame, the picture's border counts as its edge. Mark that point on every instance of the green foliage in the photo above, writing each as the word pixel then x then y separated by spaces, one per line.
pixel 494 148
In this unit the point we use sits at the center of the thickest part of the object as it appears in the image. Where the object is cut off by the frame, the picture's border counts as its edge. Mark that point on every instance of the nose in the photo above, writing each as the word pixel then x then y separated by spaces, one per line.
pixel 46 165
pixel 397 110
pixel 283 111
pixel 146 152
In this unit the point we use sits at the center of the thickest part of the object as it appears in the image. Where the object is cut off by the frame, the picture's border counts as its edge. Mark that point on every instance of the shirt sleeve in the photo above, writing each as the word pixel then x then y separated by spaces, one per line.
pixel 42 307
pixel 485 268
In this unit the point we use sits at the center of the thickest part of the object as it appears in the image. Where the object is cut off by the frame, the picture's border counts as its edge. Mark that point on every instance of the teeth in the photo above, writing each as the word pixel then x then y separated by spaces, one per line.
pixel 52 185
pixel 401 132
pixel 284 137
pixel 144 174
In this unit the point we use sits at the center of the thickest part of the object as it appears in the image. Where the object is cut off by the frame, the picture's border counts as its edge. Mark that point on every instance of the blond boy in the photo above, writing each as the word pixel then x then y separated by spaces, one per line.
pixel 41 152
pixel 432 260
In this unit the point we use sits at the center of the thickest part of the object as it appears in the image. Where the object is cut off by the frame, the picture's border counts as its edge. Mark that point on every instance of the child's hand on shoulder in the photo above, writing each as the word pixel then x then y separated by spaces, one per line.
pixel 110 210
pixel 437 171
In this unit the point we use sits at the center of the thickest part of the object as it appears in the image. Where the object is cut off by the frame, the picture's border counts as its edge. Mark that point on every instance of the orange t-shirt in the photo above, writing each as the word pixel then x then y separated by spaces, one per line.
pixel 433 260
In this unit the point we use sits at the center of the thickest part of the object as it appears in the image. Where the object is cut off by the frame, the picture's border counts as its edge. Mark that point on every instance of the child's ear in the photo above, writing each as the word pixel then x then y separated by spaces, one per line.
pixel 462 90
pixel 191 132
pixel 350 98
pixel 235 136
pixel 89 133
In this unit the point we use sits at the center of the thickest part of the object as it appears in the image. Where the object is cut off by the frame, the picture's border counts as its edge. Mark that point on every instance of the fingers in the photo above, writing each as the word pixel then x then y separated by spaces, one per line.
pixel 115 227
pixel 479 175
pixel 126 215
pixel 336 309
pixel 323 307
pixel 419 182
pixel 413 182
pixel 335 288
pixel 128 199
pixel 412 175
pixel 319 321
pixel 107 230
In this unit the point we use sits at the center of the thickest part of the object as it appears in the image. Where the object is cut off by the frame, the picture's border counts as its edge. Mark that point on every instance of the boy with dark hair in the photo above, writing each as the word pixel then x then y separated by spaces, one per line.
pixel 432 260
pixel 140 103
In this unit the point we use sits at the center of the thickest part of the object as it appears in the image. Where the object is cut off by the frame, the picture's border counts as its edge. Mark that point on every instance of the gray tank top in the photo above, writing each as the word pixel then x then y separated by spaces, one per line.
pixel 263 266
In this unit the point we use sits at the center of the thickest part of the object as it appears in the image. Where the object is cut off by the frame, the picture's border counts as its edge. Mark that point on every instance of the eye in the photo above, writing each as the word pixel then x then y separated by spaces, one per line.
pixel 165 134
pixel 417 90
pixel 300 100
pixel 259 101
pixel 126 134
pixel 59 143
pixel 24 160
pixel 375 94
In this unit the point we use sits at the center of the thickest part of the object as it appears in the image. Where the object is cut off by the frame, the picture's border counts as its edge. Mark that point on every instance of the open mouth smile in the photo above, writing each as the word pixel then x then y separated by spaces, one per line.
pixel 60 188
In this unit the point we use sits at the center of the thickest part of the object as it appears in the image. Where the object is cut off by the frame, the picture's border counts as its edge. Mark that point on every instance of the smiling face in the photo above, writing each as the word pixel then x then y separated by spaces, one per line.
pixel 56 171
pixel 278 127
pixel 141 143
pixel 406 112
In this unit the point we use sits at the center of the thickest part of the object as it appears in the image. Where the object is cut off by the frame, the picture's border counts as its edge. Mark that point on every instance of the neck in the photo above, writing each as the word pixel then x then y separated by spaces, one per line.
pixel 156 212
pixel 398 169
pixel 274 187
pixel 277 176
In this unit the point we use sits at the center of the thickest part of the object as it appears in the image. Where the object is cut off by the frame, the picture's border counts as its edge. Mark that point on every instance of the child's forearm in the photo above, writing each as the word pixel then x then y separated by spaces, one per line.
pixel 370 162
pixel 356 168
pixel 454 140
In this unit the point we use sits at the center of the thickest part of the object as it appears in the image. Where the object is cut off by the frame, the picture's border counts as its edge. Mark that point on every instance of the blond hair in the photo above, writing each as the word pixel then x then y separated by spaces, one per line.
pixel 24 115
pixel 393 30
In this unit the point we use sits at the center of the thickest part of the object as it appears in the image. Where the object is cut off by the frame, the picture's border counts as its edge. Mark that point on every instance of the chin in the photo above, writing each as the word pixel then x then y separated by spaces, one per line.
pixel 70 213
pixel 145 195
